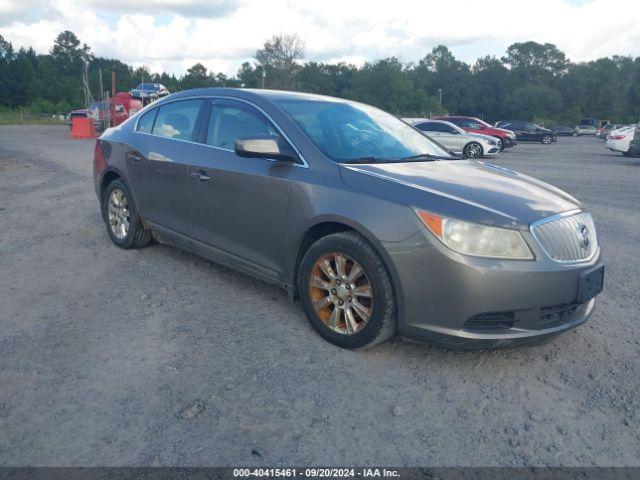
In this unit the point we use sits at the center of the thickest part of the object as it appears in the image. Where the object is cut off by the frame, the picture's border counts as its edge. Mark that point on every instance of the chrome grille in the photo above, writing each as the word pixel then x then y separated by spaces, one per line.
pixel 567 238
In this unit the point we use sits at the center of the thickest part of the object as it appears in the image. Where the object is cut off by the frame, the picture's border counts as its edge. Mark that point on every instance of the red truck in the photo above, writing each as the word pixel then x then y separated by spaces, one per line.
pixel 123 105
pixel 507 138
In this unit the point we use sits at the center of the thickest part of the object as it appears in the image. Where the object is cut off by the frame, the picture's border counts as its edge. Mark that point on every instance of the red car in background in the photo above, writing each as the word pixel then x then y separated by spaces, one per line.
pixel 507 138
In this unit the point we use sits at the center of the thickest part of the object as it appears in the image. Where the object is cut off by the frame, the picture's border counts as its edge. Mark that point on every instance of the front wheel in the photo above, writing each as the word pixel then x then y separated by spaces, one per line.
pixel 546 139
pixel 473 150
pixel 346 291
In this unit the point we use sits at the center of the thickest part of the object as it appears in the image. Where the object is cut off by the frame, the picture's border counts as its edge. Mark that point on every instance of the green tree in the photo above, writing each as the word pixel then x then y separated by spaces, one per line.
pixel 535 62
pixel 196 77
pixel 491 82
pixel 69 54
pixel 279 57
pixel 441 71
pixel 6 50
pixel 249 76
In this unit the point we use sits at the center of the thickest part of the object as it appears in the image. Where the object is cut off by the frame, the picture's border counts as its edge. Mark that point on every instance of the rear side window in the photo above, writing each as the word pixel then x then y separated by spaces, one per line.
pixel 177 119
pixel 145 124
pixel 231 120
pixel 428 127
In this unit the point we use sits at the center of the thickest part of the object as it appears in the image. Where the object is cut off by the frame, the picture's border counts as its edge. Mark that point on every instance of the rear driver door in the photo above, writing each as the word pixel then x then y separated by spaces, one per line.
pixel 157 162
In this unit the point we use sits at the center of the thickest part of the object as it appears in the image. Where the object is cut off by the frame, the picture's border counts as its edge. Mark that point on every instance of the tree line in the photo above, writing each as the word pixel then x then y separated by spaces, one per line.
pixel 531 81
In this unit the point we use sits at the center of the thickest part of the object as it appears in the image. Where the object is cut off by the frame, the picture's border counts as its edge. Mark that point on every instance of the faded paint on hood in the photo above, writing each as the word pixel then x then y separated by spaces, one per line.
pixel 481 192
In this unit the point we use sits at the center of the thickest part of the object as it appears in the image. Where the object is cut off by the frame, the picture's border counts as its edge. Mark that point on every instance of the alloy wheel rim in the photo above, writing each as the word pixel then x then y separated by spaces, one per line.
pixel 118 212
pixel 341 293
pixel 474 151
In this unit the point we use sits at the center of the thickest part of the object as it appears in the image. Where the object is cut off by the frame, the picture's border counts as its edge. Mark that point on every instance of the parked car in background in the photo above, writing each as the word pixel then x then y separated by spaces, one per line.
pixel 377 228
pixel 530 132
pixel 584 130
pixel 506 138
pixel 634 145
pixel 594 122
pixel 471 145
pixel 603 131
pixel 148 92
pixel 78 113
pixel 562 131
pixel 620 140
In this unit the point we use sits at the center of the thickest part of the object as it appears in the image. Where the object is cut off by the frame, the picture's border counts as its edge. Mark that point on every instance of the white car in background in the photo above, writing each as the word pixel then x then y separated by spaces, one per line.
pixel 584 130
pixel 471 145
pixel 619 140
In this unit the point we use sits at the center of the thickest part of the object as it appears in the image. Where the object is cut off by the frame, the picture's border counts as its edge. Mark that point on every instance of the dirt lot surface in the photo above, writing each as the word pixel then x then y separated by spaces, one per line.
pixel 157 357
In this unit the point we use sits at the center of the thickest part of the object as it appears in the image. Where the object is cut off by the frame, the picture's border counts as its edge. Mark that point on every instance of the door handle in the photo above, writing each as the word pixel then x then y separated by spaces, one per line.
pixel 134 156
pixel 200 176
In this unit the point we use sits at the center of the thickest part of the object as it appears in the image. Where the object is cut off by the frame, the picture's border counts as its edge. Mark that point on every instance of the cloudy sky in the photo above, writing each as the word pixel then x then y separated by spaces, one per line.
pixel 172 35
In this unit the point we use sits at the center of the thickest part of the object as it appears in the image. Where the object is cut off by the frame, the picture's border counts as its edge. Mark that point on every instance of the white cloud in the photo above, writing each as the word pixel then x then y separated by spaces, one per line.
pixel 174 34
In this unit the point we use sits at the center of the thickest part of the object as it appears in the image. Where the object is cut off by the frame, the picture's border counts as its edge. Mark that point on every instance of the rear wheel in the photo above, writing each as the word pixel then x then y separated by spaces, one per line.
pixel 121 217
pixel 473 150
pixel 346 291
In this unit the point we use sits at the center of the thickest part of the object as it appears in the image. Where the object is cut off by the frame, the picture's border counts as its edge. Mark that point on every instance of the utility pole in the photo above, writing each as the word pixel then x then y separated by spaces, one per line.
pixel 264 74
pixel 440 95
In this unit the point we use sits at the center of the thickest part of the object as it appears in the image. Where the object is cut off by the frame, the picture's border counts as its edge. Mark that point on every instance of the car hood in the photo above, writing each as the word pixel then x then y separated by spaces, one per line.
pixel 466 189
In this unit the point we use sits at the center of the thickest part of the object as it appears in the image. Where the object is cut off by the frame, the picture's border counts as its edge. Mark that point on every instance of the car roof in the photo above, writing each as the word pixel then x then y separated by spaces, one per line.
pixel 272 95
pixel 444 117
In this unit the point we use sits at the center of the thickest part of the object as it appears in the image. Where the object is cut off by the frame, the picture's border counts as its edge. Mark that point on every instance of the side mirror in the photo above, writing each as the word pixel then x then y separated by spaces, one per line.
pixel 265 147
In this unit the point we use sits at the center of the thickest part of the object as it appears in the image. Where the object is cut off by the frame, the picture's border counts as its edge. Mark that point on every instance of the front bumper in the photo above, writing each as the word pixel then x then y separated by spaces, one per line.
pixel 458 301
pixel 490 150
pixel 509 142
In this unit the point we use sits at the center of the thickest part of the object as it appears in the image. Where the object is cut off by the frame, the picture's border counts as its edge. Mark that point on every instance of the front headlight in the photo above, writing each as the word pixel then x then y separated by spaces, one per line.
pixel 492 142
pixel 477 240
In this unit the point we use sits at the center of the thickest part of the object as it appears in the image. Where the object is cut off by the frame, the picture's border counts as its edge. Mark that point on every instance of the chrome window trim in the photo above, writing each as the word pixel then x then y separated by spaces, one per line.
pixel 566 214
pixel 304 163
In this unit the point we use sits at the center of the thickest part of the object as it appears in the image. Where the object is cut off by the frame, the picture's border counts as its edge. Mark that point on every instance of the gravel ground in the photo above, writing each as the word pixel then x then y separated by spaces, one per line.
pixel 157 357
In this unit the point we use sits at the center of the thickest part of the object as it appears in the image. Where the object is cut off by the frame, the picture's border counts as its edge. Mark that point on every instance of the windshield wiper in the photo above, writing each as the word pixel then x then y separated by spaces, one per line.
pixel 427 156
pixel 367 160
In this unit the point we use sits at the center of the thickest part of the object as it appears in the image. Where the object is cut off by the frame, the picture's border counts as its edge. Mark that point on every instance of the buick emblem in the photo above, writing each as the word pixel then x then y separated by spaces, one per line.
pixel 583 236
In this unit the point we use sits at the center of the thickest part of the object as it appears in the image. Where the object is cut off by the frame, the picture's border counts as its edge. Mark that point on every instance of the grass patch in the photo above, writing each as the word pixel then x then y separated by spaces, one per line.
pixel 21 117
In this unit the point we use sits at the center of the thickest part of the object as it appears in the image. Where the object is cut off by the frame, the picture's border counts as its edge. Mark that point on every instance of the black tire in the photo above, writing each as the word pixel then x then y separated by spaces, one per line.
pixel 546 139
pixel 383 323
pixel 473 150
pixel 137 236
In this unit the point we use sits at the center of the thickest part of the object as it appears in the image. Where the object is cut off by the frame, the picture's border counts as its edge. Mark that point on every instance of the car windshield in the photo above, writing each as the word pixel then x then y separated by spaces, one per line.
pixel 146 86
pixel 352 132
pixel 482 122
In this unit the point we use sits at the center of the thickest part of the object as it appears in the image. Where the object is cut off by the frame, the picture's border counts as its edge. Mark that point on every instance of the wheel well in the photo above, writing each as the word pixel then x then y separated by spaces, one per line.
pixel 314 234
pixel 107 179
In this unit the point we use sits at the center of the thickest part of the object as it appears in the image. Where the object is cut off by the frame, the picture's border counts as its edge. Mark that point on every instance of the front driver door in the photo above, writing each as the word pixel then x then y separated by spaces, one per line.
pixel 239 205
